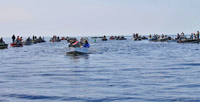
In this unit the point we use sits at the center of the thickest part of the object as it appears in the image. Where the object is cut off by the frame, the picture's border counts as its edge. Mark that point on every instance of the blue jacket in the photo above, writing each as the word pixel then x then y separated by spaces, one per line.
pixel 86 45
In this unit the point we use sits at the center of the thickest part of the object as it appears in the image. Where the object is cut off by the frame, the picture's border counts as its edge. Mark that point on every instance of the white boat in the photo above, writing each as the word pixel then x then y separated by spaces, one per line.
pixel 172 40
pixel 162 39
pixel 136 39
pixel 74 50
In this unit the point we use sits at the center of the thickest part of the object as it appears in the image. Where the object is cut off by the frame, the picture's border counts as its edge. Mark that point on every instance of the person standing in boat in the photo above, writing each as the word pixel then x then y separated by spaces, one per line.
pixel 13 38
pixel 194 37
pixel 150 36
pixel 197 34
pixel 133 35
pixel 33 37
pixel 178 36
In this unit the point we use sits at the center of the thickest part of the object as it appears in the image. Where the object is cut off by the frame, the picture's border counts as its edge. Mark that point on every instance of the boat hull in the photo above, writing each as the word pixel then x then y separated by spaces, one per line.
pixel 57 40
pixel 16 45
pixel 120 38
pixel 104 39
pixel 3 46
pixel 189 41
pixel 136 39
pixel 163 39
pixel 76 50
pixel 152 39
pixel 27 43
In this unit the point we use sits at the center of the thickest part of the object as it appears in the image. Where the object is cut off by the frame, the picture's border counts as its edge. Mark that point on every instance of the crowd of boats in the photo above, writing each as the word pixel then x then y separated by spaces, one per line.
pixel 82 46
pixel 181 38
pixel 75 46
pixel 19 42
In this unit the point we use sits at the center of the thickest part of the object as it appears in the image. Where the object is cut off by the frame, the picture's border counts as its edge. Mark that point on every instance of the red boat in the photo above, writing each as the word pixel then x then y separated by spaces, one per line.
pixel 16 44
pixel 112 38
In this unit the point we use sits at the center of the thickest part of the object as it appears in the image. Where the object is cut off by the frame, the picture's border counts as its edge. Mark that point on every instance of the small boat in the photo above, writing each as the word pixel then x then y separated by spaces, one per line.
pixel 70 39
pixel 144 37
pixel 104 39
pixel 94 37
pixel 76 50
pixel 112 38
pixel 172 40
pixel 120 38
pixel 43 40
pixel 189 41
pixel 54 40
pixel 162 39
pixel 40 41
pixel 35 42
pixel 152 39
pixel 136 39
pixel 27 42
pixel 3 46
pixel 16 44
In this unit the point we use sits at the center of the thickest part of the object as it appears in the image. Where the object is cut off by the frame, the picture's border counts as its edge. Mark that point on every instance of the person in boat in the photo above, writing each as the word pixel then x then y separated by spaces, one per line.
pixel 197 34
pixel 162 36
pixel 86 44
pixel 1 40
pixel 74 43
pixel 40 38
pixel 17 40
pixel 13 38
pixel 182 34
pixel 154 35
pixel 28 39
pixel 191 36
pixel 136 35
pixel 20 39
pixel 122 37
pixel 104 37
pixel 178 36
pixel 150 36
pixel 133 35
pixel 194 36
pixel 33 37
pixel 118 37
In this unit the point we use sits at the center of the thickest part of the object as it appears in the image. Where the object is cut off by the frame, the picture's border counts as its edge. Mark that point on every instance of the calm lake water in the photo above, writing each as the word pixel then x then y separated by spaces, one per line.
pixel 118 71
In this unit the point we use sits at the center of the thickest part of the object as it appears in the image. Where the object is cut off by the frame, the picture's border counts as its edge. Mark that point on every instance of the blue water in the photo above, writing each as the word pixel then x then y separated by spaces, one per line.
pixel 118 71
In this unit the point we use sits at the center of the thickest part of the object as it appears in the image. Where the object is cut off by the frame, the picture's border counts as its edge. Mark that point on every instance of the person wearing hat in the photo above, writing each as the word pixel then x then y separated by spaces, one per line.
pixel 1 40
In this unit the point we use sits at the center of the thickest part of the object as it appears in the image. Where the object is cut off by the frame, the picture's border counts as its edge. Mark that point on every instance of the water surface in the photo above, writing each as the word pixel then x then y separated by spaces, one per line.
pixel 119 71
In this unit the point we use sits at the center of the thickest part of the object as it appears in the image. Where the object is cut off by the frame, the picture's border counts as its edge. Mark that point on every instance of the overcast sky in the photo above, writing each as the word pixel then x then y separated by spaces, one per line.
pixel 98 17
